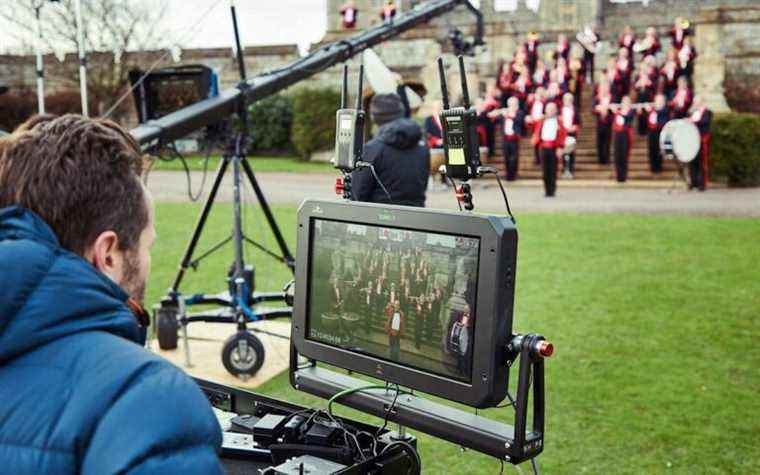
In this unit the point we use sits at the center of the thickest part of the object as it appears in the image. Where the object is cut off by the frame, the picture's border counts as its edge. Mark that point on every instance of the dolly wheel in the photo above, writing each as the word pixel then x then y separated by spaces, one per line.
pixel 243 354
pixel 166 327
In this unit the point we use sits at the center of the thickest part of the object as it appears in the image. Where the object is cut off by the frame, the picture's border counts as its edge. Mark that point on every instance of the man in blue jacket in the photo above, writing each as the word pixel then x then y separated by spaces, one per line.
pixel 78 393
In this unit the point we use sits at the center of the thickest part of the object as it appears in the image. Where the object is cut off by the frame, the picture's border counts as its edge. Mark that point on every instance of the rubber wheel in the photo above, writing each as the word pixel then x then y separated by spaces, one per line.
pixel 243 354
pixel 166 327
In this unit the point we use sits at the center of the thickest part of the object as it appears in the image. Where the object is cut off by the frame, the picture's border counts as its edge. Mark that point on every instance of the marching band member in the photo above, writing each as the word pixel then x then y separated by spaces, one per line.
pixel 512 121
pixel 394 327
pixel 540 76
pixel 679 32
pixel 625 69
pixel 602 101
pixel 578 77
pixel 388 11
pixel 504 81
pixel 554 91
pixel 521 86
pixel 433 129
pixel 686 56
pixel 645 91
pixel 622 128
pixel 536 104
pixel 489 104
pixel 589 39
pixel 615 80
pixel 701 116
pixel 669 74
pixel 650 45
pixel 682 98
pixel 562 75
pixel 571 122
pixel 348 13
pixel 656 116
pixel 627 39
pixel 549 138
pixel 531 50
pixel 562 50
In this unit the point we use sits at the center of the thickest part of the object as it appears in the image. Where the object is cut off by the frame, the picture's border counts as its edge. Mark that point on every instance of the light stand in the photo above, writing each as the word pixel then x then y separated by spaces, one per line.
pixel 82 60
pixel 243 353
pixel 38 54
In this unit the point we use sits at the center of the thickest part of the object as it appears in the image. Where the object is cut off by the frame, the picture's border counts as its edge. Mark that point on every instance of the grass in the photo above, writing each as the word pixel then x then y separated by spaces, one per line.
pixel 656 321
pixel 259 164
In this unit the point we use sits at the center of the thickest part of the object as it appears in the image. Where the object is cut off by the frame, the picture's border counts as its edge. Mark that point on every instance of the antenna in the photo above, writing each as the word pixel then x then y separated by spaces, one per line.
pixel 344 89
pixel 359 94
pixel 444 89
pixel 465 92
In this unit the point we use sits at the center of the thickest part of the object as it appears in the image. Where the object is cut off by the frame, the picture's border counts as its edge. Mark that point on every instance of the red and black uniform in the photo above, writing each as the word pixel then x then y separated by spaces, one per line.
pixel 504 83
pixel 625 70
pixel 652 50
pixel 645 91
pixel 549 137
pixel 394 327
pixel 698 168
pixel 681 103
pixel 603 127
pixel 677 35
pixel 539 78
pixel 588 56
pixel 686 57
pixel 433 132
pixel 531 49
pixel 486 127
pixel 627 41
pixel 622 130
pixel 535 112
pixel 669 74
pixel 348 14
pixel 571 122
pixel 615 79
pixel 562 51
pixel 512 127
pixel 563 79
pixel 519 89
pixel 655 120
pixel 388 12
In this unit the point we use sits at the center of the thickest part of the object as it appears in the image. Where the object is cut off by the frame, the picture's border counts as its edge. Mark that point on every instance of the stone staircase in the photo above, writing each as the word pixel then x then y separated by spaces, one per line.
pixel 586 165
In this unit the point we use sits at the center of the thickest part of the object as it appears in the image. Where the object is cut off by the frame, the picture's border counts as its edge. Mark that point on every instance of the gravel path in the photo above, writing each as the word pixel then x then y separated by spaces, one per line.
pixel 525 196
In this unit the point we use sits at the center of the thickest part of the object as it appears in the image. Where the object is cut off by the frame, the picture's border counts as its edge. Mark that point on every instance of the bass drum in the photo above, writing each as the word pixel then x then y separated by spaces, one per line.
pixel 680 140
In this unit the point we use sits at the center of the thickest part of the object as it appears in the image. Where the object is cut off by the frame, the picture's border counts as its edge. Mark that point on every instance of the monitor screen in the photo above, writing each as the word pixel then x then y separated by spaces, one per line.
pixel 401 295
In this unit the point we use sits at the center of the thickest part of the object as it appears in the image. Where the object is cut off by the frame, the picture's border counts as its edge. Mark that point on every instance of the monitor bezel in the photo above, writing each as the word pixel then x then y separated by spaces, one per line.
pixel 494 300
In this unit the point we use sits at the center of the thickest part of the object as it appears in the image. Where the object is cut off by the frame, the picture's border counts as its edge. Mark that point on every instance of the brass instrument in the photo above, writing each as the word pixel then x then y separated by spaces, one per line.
pixel 588 39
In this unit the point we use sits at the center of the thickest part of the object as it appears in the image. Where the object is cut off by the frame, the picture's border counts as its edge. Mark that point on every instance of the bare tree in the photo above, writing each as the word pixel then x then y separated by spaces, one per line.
pixel 116 35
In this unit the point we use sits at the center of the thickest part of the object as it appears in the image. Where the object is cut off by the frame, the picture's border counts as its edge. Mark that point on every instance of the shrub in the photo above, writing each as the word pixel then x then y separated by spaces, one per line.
pixel 270 120
pixel 65 102
pixel 314 120
pixel 15 108
pixel 734 153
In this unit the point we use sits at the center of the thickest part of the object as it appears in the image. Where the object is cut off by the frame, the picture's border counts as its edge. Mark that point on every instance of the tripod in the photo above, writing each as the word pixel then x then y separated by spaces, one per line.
pixel 243 353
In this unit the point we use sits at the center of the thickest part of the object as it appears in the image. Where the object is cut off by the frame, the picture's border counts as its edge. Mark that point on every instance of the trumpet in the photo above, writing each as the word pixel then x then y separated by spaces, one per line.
pixel 588 40
pixel 614 106
pixel 643 45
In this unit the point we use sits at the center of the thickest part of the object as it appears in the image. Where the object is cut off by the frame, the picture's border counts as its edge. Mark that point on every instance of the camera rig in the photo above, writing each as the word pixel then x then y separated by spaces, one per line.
pixel 243 353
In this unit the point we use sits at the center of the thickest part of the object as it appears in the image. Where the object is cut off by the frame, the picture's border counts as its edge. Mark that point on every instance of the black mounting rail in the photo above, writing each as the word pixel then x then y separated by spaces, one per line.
pixel 208 111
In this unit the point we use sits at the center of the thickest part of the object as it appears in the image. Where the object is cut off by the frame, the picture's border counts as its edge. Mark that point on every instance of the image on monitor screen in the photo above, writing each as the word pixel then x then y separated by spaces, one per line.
pixel 401 295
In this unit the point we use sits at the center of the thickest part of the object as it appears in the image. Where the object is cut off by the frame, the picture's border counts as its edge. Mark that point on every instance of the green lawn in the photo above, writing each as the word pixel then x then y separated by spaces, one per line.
pixel 656 322
pixel 259 164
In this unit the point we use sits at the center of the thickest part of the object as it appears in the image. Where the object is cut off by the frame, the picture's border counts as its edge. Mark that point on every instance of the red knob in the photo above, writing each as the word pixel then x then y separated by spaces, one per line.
pixel 545 348
pixel 339 186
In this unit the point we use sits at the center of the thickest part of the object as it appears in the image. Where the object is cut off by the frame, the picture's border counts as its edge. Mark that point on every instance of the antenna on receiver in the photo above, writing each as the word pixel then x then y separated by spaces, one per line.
pixel 359 93
pixel 344 89
pixel 444 89
pixel 465 91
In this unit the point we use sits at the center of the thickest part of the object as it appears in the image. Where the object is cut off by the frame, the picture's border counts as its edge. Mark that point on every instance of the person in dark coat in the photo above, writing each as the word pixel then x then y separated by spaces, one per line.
pixel 78 392
pixel 656 117
pixel 700 116
pixel 398 154
pixel 622 136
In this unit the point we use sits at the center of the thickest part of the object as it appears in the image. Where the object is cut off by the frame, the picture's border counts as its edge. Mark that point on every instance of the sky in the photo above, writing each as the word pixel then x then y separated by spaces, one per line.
pixel 262 22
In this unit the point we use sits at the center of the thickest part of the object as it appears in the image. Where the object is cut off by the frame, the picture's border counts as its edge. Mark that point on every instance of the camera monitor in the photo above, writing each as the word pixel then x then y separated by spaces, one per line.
pixel 415 297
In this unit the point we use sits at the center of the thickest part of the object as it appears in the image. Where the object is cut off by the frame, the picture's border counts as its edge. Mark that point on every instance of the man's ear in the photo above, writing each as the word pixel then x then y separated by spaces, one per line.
pixel 105 256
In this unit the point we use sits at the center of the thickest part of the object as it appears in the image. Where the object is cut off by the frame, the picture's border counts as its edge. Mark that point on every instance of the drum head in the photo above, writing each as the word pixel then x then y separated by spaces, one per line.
pixel 569 144
pixel 683 137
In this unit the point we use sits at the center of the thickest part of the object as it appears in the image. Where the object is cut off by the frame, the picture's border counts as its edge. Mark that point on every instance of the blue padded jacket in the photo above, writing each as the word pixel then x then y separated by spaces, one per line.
pixel 77 393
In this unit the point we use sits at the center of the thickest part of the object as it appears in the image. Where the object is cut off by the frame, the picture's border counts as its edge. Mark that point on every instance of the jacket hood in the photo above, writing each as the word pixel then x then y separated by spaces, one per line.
pixel 401 134
pixel 47 292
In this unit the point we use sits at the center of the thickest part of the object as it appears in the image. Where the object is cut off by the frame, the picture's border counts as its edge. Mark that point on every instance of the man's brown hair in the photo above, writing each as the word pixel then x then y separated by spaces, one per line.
pixel 81 176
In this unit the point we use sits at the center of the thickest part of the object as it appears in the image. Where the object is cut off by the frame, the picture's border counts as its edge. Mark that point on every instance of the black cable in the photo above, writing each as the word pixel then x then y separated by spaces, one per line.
pixel 454 185
pixel 534 465
pixel 177 154
pixel 501 468
pixel 388 413
pixel 511 402
pixel 377 178
pixel 501 186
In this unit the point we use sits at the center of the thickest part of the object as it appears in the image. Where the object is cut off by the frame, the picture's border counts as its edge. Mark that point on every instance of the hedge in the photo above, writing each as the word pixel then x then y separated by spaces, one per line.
pixel 271 120
pixel 734 149
pixel 314 120
pixel 17 107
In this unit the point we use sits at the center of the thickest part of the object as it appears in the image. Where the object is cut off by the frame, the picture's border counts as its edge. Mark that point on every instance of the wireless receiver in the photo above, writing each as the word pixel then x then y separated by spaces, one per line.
pixel 460 135
pixel 349 139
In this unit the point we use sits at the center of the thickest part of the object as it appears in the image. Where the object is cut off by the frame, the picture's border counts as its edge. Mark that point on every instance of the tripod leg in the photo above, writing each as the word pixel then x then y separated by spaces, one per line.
pixel 287 256
pixel 188 256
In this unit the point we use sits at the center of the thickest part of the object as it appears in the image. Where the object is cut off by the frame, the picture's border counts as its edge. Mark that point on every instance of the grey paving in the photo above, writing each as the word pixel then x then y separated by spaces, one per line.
pixel 525 196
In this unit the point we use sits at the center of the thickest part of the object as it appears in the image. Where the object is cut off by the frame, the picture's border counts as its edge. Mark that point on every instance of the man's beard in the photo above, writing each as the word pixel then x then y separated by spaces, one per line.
pixel 132 284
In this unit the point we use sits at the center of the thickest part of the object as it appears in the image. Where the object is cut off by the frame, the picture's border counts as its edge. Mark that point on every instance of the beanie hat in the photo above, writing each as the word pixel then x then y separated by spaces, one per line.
pixel 386 108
